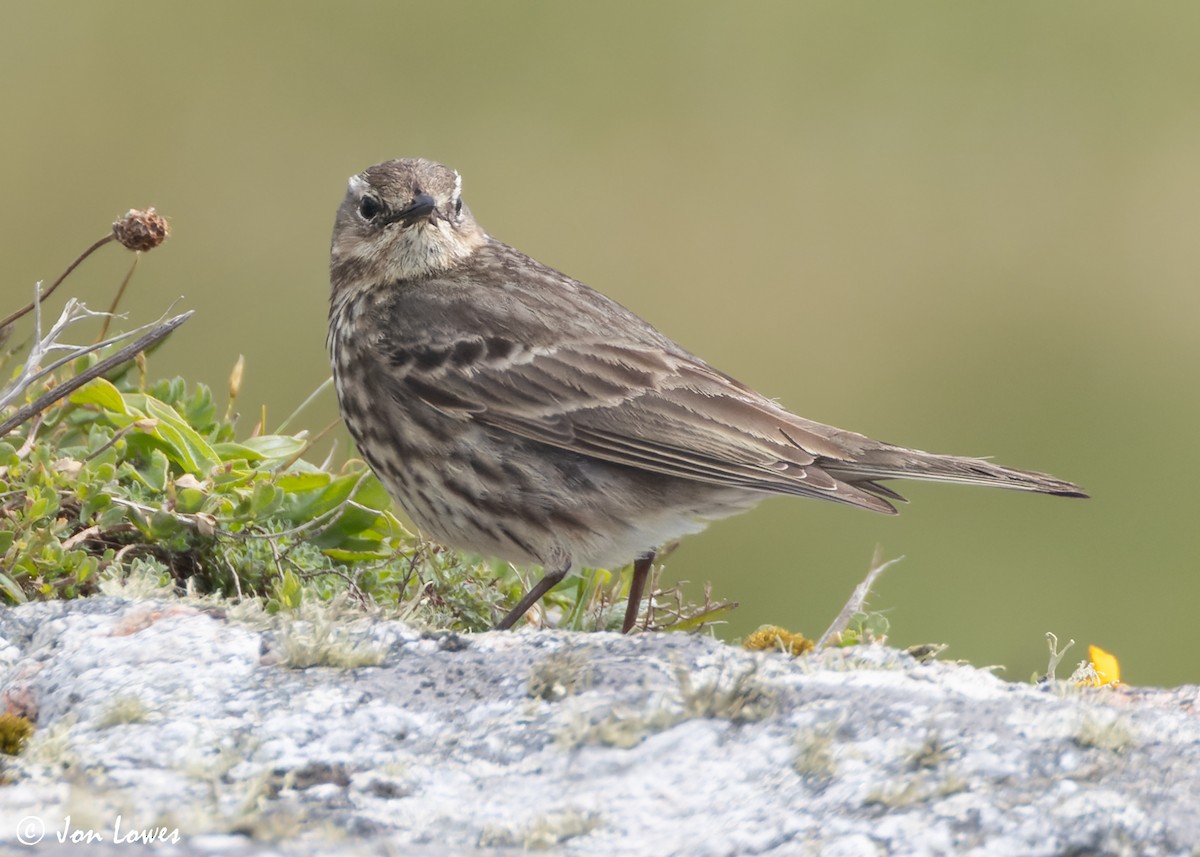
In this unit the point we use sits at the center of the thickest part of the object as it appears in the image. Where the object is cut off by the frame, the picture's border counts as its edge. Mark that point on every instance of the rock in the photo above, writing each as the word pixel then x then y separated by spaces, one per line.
pixel 226 731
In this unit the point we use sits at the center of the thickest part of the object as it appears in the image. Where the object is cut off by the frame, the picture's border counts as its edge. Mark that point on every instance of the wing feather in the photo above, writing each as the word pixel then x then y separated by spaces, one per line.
pixel 636 406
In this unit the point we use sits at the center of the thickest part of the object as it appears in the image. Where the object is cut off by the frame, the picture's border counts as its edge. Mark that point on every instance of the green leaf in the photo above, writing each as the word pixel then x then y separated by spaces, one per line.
pixel 199 410
pixel 111 517
pixel 15 592
pixel 233 474
pixel 298 483
pixel 92 504
pixel 164 525
pixel 300 507
pixel 358 554
pixel 51 554
pixel 153 474
pixel 289 591
pixel 100 393
pixel 100 470
pixel 275 447
pixel 189 500
pixel 265 500
pixel 230 451
pixel 45 503
pixel 351 523
pixel 373 495
pixel 191 451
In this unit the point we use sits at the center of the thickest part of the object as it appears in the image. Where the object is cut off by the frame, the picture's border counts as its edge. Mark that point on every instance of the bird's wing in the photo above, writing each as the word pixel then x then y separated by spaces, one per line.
pixel 666 412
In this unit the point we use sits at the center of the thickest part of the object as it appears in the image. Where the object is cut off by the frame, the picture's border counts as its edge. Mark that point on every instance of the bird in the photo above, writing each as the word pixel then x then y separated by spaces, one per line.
pixel 514 412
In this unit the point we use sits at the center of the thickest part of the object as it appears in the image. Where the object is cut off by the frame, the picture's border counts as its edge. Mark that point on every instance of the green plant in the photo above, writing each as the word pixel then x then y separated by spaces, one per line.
pixel 106 475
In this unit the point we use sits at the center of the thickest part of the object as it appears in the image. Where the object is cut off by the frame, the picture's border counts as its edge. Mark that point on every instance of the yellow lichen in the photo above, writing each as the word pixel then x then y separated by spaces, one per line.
pixel 774 638
pixel 14 732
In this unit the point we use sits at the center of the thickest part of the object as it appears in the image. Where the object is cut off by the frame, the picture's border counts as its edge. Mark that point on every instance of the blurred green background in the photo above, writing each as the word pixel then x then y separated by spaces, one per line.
pixel 968 228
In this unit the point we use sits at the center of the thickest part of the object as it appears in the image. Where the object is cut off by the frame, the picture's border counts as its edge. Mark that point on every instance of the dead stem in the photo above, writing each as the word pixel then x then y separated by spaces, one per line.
pixel 28 307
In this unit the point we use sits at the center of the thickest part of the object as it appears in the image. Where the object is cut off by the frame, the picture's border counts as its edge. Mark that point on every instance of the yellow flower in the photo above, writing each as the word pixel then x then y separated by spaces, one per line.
pixel 1108 671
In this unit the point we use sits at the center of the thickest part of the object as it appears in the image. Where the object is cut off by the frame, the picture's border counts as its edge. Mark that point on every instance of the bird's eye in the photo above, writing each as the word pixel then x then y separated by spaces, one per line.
pixel 369 207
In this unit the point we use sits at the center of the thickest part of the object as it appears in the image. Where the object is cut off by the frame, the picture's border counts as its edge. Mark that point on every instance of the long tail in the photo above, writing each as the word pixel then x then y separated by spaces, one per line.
pixel 894 462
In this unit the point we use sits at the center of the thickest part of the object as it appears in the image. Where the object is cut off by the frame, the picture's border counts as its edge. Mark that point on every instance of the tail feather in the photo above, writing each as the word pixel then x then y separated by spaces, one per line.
pixel 891 462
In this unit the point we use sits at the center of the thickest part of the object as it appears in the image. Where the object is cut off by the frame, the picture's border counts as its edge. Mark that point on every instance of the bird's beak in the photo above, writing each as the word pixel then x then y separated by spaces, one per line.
pixel 422 205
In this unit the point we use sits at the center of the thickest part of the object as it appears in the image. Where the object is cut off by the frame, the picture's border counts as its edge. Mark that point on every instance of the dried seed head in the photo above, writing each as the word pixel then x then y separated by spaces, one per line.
pixel 141 230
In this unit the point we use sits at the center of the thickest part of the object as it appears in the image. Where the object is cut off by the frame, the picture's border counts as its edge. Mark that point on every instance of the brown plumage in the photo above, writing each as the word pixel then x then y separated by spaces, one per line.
pixel 513 411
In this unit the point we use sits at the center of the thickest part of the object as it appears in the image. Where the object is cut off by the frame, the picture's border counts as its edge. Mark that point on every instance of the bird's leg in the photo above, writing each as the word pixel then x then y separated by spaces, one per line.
pixel 549 580
pixel 641 570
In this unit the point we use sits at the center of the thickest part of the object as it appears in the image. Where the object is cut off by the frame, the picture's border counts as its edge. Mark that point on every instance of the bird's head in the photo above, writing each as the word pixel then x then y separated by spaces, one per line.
pixel 401 220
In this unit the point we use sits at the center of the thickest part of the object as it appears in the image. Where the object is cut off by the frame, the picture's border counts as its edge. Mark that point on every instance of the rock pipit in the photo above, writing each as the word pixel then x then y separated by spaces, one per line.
pixel 513 411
